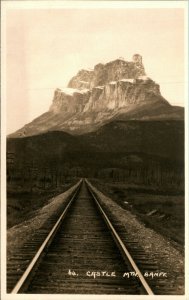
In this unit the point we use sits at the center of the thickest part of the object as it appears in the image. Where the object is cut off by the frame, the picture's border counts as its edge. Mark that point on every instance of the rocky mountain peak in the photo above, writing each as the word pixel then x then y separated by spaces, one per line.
pixel 111 71
pixel 137 59
pixel 93 97
pixel 114 85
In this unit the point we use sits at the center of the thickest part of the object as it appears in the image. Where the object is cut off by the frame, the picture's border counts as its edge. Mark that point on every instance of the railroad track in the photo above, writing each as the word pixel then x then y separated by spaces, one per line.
pixel 81 253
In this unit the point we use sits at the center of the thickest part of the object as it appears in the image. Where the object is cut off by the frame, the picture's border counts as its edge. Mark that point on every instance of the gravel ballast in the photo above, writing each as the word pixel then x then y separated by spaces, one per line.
pixel 21 233
pixel 169 259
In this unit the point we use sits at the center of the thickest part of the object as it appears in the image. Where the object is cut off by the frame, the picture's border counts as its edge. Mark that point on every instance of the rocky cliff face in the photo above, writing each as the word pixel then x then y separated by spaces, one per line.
pixel 113 95
pixel 114 85
pixel 69 100
pixel 93 97
pixel 105 73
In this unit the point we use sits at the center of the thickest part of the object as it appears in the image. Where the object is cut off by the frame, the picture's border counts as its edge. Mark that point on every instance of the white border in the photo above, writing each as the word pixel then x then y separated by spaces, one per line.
pixel 5 5
pixel 186 156
pixel 92 4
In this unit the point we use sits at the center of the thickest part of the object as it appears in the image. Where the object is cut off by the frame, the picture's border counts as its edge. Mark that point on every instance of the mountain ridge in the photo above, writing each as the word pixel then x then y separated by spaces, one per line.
pixel 150 152
pixel 118 89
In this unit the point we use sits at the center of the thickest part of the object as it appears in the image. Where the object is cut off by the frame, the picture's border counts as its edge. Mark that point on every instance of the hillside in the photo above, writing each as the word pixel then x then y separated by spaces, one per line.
pixel 129 148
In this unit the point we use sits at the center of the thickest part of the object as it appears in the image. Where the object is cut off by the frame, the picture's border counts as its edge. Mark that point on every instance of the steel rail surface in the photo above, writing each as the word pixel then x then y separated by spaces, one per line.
pixel 121 245
pixel 35 259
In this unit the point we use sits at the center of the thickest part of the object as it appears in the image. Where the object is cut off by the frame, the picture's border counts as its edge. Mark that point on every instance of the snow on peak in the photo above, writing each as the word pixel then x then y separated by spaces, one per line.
pixel 71 91
pixel 127 80
pixel 89 69
pixel 144 78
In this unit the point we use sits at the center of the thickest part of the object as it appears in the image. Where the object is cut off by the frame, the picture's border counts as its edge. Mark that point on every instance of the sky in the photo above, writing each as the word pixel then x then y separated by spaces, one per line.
pixel 46 47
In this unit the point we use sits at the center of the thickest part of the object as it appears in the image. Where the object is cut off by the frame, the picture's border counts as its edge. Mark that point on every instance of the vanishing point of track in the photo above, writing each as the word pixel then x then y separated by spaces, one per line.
pixel 81 253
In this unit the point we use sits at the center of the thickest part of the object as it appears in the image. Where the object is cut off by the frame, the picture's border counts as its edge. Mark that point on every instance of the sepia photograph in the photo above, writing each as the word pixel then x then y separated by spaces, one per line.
pixel 94 156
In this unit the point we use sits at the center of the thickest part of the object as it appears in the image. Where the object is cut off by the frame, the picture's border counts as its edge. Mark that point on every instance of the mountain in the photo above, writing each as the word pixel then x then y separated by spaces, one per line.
pixel 150 152
pixel 134 136
pixel 117 90
pixel 112 71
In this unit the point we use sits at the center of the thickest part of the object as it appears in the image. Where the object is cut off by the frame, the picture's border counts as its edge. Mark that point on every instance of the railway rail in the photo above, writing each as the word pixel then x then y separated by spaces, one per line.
pixel 81 251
